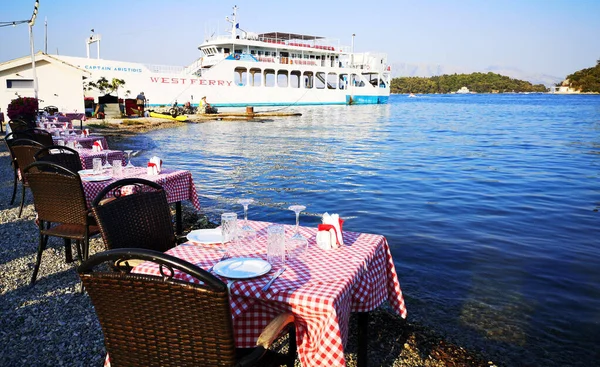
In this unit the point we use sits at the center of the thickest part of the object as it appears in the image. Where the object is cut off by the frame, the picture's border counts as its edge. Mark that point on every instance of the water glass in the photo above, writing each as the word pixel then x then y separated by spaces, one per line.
pixel 117 168
pixel 276 244
pixel 60 142
pixel 97 165
pixel 228 227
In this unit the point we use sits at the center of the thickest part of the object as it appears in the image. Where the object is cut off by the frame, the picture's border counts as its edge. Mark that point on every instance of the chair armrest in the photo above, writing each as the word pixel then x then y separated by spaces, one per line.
pixel 267 337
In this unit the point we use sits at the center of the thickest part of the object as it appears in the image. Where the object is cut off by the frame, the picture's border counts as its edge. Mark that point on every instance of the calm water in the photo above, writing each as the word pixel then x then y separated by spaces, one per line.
pixel 489 202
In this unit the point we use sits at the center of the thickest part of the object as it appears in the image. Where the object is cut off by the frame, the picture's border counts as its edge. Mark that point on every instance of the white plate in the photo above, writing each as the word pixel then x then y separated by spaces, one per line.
pixel 96 178
pixel 86 172
pixel 205 236
pixel 242 268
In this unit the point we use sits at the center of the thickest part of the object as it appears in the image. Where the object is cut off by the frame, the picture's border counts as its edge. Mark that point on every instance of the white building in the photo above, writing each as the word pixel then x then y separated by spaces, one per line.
pixel 60 84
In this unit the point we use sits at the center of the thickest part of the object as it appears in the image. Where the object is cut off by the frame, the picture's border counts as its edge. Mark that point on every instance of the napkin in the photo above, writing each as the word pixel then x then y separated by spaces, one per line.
pixel 329 235
pixel 97 147
pixel 86 132
pixel 154 166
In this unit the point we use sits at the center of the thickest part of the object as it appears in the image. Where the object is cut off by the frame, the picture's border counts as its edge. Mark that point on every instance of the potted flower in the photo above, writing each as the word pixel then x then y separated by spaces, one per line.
pixel 23 108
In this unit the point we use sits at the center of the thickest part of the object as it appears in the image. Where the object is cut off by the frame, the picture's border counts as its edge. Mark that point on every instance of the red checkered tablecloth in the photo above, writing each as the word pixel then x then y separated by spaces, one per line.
pixel 84 142
pixel 322 288
pixel 87 157
pixel 178 184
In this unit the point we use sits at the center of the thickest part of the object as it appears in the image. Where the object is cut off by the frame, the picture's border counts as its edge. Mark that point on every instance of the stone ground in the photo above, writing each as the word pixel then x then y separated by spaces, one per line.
pixel 53 324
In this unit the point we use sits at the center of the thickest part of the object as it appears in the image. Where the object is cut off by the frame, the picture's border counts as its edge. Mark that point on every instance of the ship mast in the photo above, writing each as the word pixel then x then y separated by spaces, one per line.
pixel 234 23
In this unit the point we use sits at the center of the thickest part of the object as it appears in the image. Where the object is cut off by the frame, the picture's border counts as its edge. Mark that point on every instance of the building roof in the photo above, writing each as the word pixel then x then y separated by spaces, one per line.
pixel 38 57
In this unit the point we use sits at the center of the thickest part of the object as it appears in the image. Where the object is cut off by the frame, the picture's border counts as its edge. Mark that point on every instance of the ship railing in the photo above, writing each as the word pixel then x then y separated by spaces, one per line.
pixel 165 69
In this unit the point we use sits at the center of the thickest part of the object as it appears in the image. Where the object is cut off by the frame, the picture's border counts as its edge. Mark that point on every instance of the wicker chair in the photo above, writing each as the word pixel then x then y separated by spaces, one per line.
pixel 61 206
pixel 18 125
pixel 139 220
pixel 22 151
pixel 42 136
pixel 9 138
pixel 159 321
pixel 61 155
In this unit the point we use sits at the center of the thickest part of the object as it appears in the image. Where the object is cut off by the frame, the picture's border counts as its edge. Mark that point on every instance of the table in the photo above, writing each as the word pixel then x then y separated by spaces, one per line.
pixel 321 289
pixel 178 185
pixel 86 142
pixel 87 157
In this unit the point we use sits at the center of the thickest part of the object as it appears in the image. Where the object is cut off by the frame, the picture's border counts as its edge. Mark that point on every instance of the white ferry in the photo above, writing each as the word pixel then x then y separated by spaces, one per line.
pixel 249 69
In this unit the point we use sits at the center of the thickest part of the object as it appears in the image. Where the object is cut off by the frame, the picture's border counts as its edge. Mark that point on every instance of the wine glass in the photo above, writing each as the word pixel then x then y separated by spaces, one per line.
pixel 129 164
pixel 248 234
pixel 106 164
pixel 296 245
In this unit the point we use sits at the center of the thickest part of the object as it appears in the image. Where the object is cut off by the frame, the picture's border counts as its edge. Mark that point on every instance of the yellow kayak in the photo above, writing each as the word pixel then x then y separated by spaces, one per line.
pixel 164 116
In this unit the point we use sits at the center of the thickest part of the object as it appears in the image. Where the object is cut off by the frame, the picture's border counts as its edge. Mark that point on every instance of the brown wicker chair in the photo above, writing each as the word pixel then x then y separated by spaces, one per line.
pixel 61 155
pixel 42 136
pixel 22 151
pixel 9 138
pixel 18 125
pixel 139 220
pixel 159 321
pixel 61 206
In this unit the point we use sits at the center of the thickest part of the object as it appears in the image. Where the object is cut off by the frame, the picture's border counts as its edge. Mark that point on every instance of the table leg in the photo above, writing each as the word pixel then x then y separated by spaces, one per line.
pixel 178 220
pixel 363 339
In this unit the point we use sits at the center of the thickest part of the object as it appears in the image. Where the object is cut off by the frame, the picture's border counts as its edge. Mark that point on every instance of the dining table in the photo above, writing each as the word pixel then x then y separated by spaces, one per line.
pixel 321 288
pixel 86 156
pixel 178 186
pixel 84 141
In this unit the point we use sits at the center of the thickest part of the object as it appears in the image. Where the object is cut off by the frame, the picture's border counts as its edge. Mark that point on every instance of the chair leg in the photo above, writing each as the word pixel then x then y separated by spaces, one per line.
pixel 41 247
pixel 12 200
pixel 292 347
pixel 22 200
pixel 78 246
pixel 68 251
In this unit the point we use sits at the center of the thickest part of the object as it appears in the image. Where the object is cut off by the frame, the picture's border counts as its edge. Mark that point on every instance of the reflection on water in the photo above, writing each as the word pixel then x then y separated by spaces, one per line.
pixel 489 204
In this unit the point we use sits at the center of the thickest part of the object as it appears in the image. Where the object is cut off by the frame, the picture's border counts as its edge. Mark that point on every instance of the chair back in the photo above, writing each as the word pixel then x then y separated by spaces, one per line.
pixel 19 134
pixel 43 137
pixel 61 155
pixel 141 219
pixel 156 320
pixel 22 151
pixel 58 194
pixel 18 125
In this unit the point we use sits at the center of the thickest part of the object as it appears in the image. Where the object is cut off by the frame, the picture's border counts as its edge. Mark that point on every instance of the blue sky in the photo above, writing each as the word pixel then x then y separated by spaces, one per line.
pixel 555 37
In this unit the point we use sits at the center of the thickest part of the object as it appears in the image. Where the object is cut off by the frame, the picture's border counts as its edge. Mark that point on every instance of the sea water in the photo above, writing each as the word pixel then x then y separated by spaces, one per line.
pixel 489 203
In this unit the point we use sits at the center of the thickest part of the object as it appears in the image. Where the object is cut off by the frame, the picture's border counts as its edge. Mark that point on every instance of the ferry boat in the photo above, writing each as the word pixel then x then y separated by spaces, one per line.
pixel 249 69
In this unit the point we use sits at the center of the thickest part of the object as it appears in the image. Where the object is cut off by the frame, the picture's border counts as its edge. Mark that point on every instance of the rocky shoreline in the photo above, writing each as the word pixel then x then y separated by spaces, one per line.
pixel 53 324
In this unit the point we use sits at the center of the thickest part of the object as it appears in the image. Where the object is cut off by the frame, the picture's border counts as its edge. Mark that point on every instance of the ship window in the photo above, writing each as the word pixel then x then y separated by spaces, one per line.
pixel 260 53
pixel 282 78
pixel 255 77
pixel 252 52
pixel 356 81
pixel 19 83
pixel 320 80
pixel 343 83
pixel 240 76
pixel 332 79
pixel 307 79
pixel 269 77
pixel 295 78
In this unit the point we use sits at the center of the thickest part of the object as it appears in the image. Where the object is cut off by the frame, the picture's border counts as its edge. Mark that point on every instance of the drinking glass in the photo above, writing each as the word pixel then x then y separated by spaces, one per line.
pixel 129 164
pixel 60 142
pixel 276 245
pixel 106 164
pixel 247 233
pixel 117 168
pixel 97 165
pixel 229 230
pixel 297 209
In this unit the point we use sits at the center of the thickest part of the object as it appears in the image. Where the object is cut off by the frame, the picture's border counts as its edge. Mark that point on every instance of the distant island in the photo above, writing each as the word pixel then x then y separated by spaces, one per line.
pixel 583 81
pixel 474 82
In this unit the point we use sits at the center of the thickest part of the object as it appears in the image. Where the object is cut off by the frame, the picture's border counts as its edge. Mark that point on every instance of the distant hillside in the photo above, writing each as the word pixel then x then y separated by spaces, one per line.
pixel 402 69
pixel 475 82
pixel 585 80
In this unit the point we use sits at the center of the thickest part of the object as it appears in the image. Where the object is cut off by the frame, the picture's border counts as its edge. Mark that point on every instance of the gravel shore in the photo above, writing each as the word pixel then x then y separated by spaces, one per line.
pixel 53 324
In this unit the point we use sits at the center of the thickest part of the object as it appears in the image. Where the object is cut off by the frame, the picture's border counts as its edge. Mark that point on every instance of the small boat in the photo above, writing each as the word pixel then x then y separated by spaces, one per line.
pixel 412 95
pixel 169 117
pixel 463 90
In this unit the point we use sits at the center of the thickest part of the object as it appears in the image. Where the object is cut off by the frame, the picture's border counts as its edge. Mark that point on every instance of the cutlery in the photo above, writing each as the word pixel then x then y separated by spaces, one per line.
pixel 275 276
pixel 225 256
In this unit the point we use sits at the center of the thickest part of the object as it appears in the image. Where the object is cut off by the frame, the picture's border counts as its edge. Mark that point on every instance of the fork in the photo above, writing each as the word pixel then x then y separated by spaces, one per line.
pixel 225 256
pixel 275 276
